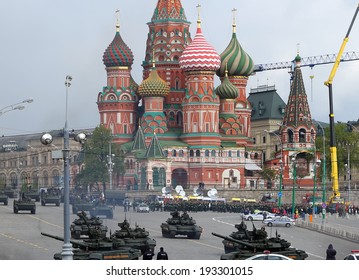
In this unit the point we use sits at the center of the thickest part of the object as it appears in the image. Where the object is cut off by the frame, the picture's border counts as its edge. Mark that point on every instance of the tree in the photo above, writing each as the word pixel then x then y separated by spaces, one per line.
pixel 96 151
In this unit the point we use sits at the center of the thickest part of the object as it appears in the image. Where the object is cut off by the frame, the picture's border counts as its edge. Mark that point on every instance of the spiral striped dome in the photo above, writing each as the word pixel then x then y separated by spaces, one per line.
pixel 199 55
pixel 118 53
pixel 238 62
pixel 154 85
pixel 226 90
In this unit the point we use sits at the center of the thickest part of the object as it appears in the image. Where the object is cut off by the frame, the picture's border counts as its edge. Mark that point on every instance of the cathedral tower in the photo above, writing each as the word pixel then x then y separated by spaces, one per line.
pixel 117 103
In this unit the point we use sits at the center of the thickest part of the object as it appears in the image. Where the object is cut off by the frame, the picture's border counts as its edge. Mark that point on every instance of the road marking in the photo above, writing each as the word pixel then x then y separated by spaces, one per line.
pixel 23 241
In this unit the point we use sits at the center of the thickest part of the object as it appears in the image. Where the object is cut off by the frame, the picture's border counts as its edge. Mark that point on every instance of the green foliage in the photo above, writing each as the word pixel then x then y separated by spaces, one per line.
pixel 96 151
pixel 344 140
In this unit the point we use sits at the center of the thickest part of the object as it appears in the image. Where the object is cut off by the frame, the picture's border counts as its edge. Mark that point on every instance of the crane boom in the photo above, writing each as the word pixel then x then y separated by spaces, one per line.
pixel 310 61
pixel 333 149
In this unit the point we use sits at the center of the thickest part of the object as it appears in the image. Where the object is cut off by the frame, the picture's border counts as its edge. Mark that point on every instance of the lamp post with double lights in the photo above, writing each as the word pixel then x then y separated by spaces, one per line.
pixel 347 167
pixel 294 167
pixel 110 165
pixel 280 168
pixel 315 165
pixel 46 139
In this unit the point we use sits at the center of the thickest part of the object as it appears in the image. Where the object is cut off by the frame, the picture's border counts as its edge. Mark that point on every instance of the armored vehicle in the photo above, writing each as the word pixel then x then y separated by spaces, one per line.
pixel 4 198
pixel 137 237
pixel 84 225
pixel 244 244
pixel 24 203
pixel 181 225
pixel 51 196
pixel 79 204
pixel 11 192
pixel 32 193
pixel 101 209
pixel 98 249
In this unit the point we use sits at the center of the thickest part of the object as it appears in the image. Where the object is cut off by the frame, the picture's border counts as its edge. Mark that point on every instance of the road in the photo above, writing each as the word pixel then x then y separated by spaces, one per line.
pixel 20 237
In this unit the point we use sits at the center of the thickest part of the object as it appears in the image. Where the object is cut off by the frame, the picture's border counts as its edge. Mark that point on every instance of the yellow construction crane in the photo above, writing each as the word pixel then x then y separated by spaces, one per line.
pixel 335 198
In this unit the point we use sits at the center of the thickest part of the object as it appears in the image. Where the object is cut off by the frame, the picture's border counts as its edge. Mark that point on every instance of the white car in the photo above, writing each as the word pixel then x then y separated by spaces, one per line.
pixel 143 208
pixel 354 256
pixel 259 216
pixel 279 221
pixel 269 257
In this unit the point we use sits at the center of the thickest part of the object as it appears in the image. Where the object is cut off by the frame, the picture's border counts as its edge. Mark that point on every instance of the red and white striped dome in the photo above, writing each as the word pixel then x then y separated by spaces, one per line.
pixel 199 55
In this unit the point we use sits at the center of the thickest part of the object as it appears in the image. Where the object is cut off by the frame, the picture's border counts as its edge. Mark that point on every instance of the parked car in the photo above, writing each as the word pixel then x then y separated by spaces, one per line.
pixel 143 208
pixel 354 256
pixel 279 221
pixel 258 216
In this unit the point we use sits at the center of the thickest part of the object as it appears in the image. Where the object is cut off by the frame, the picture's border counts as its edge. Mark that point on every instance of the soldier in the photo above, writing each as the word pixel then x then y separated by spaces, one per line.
pixel 162 255
pixel 148 254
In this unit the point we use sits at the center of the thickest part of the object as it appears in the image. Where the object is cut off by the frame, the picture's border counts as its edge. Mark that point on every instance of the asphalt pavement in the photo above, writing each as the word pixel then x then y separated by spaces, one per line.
pixel 346 227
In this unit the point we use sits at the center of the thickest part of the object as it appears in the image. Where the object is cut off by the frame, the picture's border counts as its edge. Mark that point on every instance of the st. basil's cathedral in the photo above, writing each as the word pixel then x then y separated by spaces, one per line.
pixel 176 127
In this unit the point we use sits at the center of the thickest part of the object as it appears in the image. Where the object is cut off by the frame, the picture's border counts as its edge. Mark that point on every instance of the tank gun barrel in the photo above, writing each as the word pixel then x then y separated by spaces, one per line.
pixel 249 245
pixel 52 236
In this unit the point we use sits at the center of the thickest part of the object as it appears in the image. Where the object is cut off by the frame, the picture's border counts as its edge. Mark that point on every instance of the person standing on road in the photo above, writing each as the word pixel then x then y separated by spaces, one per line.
pixel 148 255
pixel 162 255
pixel 331 252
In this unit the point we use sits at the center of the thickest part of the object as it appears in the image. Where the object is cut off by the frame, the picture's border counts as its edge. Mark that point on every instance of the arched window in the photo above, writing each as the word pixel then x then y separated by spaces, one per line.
pixel 302 134
pixel 213 153
pixel 198 153
pixel 206 153
pixel 180 153
pixel 229 153
pixel 290 136
pixel 191 153
pixel 174 153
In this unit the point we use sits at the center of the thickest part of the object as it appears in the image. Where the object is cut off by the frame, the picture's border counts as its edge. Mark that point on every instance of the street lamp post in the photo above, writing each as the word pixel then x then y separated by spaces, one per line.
pixel 294 162
pixel 316 163
pixel 280 168
pixel 347 166
pixel 16 106
pixel 110 165
pixel 46 139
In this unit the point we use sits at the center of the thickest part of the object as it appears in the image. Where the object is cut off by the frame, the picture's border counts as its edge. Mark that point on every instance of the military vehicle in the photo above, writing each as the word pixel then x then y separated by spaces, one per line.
pixel 51 196
pixel 24 203
pixel 98 249
pixel 181 225
pixel 137 237
pixel 244 244
pixel 4 198
pixel 11 192
pixel 79 204
pixel 84 225
pixel 32 193
pixel 101 209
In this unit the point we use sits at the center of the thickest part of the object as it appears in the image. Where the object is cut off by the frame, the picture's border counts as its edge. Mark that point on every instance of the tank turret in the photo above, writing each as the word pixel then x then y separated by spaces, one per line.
pixel 136 237
pixel 181 225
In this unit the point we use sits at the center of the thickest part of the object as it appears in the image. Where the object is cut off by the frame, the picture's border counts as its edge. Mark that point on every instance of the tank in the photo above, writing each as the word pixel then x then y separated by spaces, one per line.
pixel 244 243
pixel 98 249
pixel 83 225
pixel 24 203
pixel 51 196
pixel 137 237
pixel 102 209
pixel 4 198
pixel 11 192
pixel 181 225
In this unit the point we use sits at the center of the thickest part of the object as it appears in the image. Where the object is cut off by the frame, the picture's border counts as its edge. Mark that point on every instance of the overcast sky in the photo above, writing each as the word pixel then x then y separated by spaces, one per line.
pixel 42 41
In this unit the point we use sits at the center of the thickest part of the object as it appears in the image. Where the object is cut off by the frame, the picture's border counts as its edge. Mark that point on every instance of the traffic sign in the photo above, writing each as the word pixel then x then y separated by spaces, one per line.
pixel 279 194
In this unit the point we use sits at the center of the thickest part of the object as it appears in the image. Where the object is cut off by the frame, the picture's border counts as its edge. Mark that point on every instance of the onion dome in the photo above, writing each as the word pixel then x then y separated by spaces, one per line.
pixel 226 90
pixel 297 60
pixel 199 55
pixel 118 53
pixel 238 62
pixel 154 85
